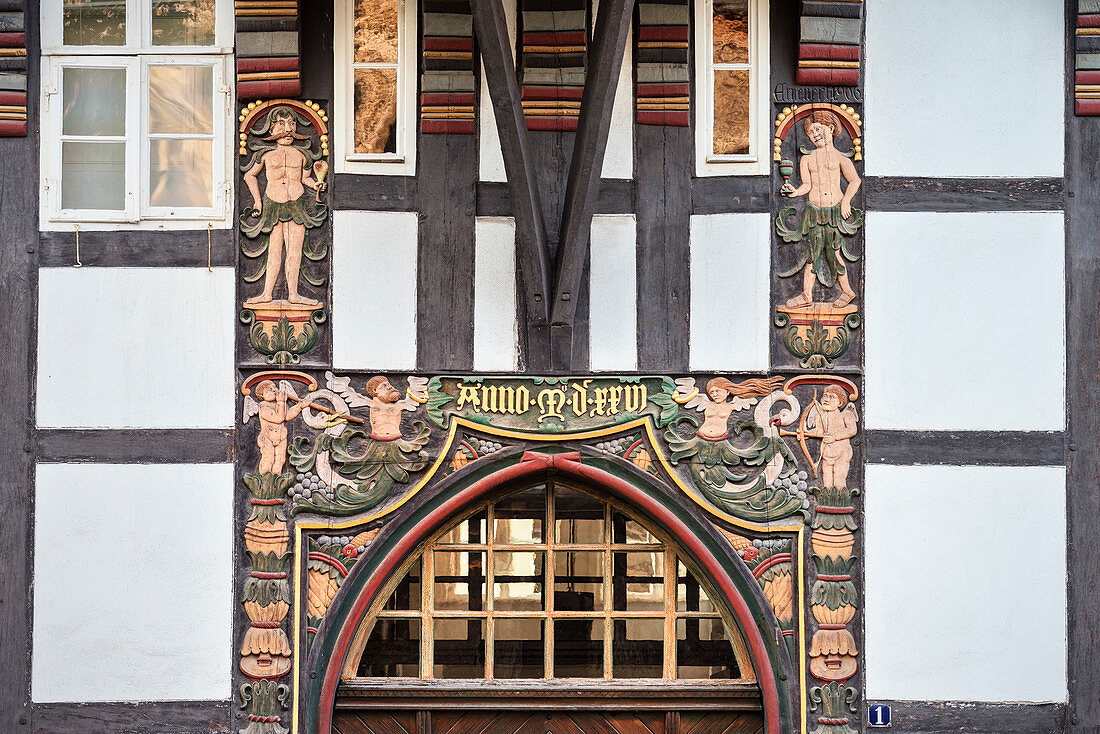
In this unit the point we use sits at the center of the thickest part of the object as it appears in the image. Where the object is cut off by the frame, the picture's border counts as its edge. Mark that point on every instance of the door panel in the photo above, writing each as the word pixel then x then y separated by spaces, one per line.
pixel 375 722
pixel 546 722
pixel 721 723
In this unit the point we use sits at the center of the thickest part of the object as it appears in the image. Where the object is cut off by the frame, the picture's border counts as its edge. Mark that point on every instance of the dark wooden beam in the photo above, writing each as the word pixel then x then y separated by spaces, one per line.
pixel 190 248
pixel 919 717
pixel 494 42
pixel 374 193
pixel 135 446
pixel 19 296
pixel 605 58
pixel 168 717
pixel 1083 400
pixel 967 448
pixel 616 197
pixel 908 194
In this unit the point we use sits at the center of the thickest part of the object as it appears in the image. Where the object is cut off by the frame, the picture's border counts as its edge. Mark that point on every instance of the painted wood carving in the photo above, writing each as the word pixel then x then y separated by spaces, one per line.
pixel 818 317
pixel 284 145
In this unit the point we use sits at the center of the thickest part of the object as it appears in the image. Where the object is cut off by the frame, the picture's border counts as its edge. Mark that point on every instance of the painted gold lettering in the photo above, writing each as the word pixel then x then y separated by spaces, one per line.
pixel 550 402
pixel 636 398
pixel 580 396
pixel 614 397
pixel 600 398
pixel 468 394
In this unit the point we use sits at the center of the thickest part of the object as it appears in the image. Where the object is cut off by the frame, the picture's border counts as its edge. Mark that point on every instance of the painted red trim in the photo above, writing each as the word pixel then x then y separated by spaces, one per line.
pixel 267 574
pixel 810 322
pixel 828 51
pixel 566 124
pixel 447 98
pixel 545 92
pixel 671 118
pixel 326 558
pixel 773 561
pixel 530 464
pixel 1087 107
pixel 1088 20
pixel 448 43
pixel 825 577
pixel 13 128
pixel 280 317
pixel 835 510
pixel 554 38
pixel 633 446
pixel 13 40
pixel 832 627
pixel 716 439
pixel 456 127
pixel 12 99
pixel 828 77
pixel 663 33
pixel 277 63
pixel 270 89
pixel 650 89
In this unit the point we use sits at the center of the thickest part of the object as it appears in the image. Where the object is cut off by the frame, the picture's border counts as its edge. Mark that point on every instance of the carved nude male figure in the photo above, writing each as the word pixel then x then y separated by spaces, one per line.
pixel 837 423
pixel 283 213
pixel 824 219
pixel 385 405
pixel 274 414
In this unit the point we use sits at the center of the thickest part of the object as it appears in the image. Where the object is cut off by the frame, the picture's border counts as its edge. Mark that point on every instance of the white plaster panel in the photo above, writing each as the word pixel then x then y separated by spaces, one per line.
pixel 490 157
pixel 135 348
pixel 133 582
pixel 944 88
pixel 965 592
pixel 613 293
pixel 495 294
pixel 965 321
pixel 730 258
pixel 374 289
pixel 618 159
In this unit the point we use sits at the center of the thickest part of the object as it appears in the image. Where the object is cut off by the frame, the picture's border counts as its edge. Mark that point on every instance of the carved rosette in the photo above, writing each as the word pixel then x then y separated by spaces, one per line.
pixel 265 651
pixel 833 603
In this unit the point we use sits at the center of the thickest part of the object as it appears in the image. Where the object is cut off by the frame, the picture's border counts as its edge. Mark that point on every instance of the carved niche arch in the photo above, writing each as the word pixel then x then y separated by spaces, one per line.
pixel 454 497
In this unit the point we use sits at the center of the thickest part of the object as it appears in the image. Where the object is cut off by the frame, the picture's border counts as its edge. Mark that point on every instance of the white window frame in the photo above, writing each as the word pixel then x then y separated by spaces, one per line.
pixel 403 161
pixel 136 57
pixel 757 160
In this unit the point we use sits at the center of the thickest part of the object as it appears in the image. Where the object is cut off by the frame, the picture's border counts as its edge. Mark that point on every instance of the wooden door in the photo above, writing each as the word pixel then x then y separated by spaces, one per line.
pixel 547 722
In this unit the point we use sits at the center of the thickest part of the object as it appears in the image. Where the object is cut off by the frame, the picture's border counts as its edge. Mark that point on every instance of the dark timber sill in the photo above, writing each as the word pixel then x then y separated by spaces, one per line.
pixel 967 448
pixel 902 194
pixel 915 717
pixel 135 445
pixel 159 717
pixel 183 248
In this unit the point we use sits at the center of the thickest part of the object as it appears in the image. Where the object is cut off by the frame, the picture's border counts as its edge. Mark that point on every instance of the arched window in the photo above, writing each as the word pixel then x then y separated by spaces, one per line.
pixel 549 582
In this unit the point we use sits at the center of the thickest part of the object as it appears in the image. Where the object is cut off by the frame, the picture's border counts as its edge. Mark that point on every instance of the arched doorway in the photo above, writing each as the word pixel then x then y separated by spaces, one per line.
pixel 552 603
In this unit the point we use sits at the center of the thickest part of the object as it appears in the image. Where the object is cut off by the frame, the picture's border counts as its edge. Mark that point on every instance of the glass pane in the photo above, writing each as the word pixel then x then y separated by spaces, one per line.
pixel 94 23
pixel 95 101
pixel 459 648
pixel 578 581
pixel 703 650
pixel 376 31
pixel 625 530
pixel 181 99
pixel 393 650
pixel 578 518
pixel 731 31
pixel 470 530
pixel 637 648
pixel 690 595
pixel 180 173
pixel 519 518
pixel 578 648
pixel 93 176
pixel 518 581
pixel 376 110
pixel 183 22
pixel 518 648
pixel 731 112
pixel 459 580
pixel 406 597
pixel 637 581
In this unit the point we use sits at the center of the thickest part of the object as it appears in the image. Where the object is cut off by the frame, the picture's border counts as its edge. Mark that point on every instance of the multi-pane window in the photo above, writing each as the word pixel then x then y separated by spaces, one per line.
pixel 136 106
pixel 375 77
pixel 549 582
pixel 731 85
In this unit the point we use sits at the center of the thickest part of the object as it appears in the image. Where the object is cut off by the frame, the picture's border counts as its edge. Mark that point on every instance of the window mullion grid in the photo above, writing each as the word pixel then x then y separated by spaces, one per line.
pixel 671 574
pixel 489 593
pixel 549 569
pixel 608 591
pixel 427 614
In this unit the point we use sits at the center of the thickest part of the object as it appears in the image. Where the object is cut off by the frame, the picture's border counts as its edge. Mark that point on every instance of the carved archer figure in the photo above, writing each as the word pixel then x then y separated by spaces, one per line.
pixel 283 215
pixel 835 420
pixel 825 216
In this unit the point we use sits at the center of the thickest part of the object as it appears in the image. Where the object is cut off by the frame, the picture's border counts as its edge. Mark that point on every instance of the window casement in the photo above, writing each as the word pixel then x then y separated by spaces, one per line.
pixel 136 108
pixel 731 87
pixel 375 78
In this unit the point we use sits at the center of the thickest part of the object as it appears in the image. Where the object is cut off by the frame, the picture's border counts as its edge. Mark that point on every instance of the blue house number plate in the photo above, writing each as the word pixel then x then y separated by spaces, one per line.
pixel 878 715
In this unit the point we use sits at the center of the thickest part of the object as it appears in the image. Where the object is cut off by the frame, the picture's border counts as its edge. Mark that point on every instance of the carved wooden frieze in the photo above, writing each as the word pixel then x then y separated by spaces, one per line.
pixel 332 458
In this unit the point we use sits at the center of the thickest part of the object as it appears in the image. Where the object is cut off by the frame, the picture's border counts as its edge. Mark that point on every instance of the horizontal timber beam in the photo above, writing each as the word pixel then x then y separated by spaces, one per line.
pixel 188 248
pixel 135 445
pixel 967 448
pixel 919 717
pixel 900 194
pixel 155 717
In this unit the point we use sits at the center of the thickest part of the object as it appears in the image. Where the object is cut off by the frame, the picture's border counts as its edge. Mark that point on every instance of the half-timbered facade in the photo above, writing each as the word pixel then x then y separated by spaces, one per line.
pixel 662 366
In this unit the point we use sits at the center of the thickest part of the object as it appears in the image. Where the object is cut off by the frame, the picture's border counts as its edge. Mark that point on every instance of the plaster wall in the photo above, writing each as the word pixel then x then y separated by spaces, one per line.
pixel 132 582
pixel 730 291
pixel 965 583
pixel 613 293
pixel 945 81
pixel 988 292
pixel 495 346
pixel 135 348
pixel 374 289
pixel 490 157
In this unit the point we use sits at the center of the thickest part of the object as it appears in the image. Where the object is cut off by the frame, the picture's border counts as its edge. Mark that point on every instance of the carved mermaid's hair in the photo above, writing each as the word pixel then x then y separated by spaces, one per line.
pixel 753 388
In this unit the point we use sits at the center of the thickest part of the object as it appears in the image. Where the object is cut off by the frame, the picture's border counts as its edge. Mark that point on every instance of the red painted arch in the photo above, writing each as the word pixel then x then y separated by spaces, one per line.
pixel 568 464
